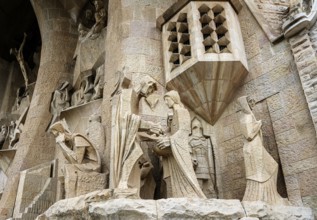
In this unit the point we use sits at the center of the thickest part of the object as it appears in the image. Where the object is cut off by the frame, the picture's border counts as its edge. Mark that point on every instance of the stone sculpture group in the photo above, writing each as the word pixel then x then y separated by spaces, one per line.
pixel 186 155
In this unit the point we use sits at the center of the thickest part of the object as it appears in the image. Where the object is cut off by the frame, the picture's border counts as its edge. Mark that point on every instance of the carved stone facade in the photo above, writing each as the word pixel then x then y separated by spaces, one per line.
pixel 140 107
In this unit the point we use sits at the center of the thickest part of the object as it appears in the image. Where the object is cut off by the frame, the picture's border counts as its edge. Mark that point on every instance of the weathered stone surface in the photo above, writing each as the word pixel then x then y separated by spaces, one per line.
pixel 98 205
pixel 183 208
pixel 94 206
pixel 263 211
pixel 124 209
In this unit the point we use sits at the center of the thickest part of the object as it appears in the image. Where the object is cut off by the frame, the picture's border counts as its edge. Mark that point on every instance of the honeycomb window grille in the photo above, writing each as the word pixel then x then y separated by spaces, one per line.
pixel 214 29
pixel 179 41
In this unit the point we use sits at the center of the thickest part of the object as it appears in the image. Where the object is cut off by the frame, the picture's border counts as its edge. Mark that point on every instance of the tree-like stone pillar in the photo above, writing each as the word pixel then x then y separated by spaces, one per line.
pixel 36 145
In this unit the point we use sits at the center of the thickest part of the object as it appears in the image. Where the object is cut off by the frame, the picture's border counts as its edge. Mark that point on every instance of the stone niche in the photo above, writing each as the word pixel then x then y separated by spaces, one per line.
pixel 204 56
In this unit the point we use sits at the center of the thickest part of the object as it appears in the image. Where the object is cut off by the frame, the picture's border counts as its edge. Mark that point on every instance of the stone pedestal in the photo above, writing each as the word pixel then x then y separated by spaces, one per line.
pixel 79 183
pixel 102 205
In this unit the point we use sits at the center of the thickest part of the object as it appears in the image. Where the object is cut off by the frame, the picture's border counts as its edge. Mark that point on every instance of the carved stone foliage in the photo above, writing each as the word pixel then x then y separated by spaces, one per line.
pixel 204 56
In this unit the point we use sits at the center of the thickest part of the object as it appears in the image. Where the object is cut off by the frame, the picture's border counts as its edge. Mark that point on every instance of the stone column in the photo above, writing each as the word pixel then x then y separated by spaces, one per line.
pixel 306 63
pixel 301 176
pixel 134 46
pixel 36 145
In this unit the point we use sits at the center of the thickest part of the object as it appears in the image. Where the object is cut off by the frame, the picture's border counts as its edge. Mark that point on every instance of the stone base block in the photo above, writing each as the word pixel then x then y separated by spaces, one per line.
pixel 264 211
pixel 79 183
pixel 102 205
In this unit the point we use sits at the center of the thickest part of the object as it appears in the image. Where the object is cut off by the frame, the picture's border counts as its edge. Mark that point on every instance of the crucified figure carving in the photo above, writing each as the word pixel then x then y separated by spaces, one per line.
pixel 19 56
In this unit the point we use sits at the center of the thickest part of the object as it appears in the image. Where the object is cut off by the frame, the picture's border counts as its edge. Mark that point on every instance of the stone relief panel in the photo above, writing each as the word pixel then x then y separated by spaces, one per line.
pixel 37 190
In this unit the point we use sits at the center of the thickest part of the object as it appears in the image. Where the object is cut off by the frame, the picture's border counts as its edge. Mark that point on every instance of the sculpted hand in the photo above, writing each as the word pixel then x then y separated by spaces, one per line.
pixel 60 138
pixel 156 129
pixel 195 163
pixel 164 142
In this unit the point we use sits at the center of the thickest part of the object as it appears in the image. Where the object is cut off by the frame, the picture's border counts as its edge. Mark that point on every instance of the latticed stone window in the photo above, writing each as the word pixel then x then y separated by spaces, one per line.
pixel 179 38
pixel 214 29
pixel 204 56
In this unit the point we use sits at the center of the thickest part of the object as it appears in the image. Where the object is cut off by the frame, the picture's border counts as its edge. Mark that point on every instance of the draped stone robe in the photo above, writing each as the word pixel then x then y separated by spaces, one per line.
pixel 178 165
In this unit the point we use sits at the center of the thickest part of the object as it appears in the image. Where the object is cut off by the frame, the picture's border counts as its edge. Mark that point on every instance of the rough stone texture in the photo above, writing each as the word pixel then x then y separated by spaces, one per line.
pixel 58 44
pixel 124 209
pixel 37 190
pixel 264 211
pixel 96 206
pixel 270 15
pixel 132 25
pixel 274 84
pixel 133 45
pixel 183 208
pixel 306 62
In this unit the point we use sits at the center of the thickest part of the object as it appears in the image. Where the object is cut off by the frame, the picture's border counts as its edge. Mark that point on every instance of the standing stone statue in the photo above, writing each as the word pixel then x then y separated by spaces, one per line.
pixel 178 171
pixel 203 159
pixel 85 92
pixel 100 22
pixel 15 134
pixel 100 17
pixel 261 168
pixel 22 100
pixel 98 83
pixel 86 23
pixel 60 100
pixel 19 56
pixel 126 153
pixel 3 135
pixel 82 174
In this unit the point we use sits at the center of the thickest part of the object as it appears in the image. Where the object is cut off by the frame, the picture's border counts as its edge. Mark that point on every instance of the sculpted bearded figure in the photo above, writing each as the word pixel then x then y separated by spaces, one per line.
pixel 178 171
pixel 126 154
pixel 261 168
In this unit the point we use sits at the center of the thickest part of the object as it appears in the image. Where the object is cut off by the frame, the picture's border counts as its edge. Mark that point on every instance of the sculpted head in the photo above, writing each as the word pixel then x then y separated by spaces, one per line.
pixel 171 98
pixel 3 129
pixel 245 104
pixel 98 4
pixel 147 86
pixel 59 127
pixel 197 128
